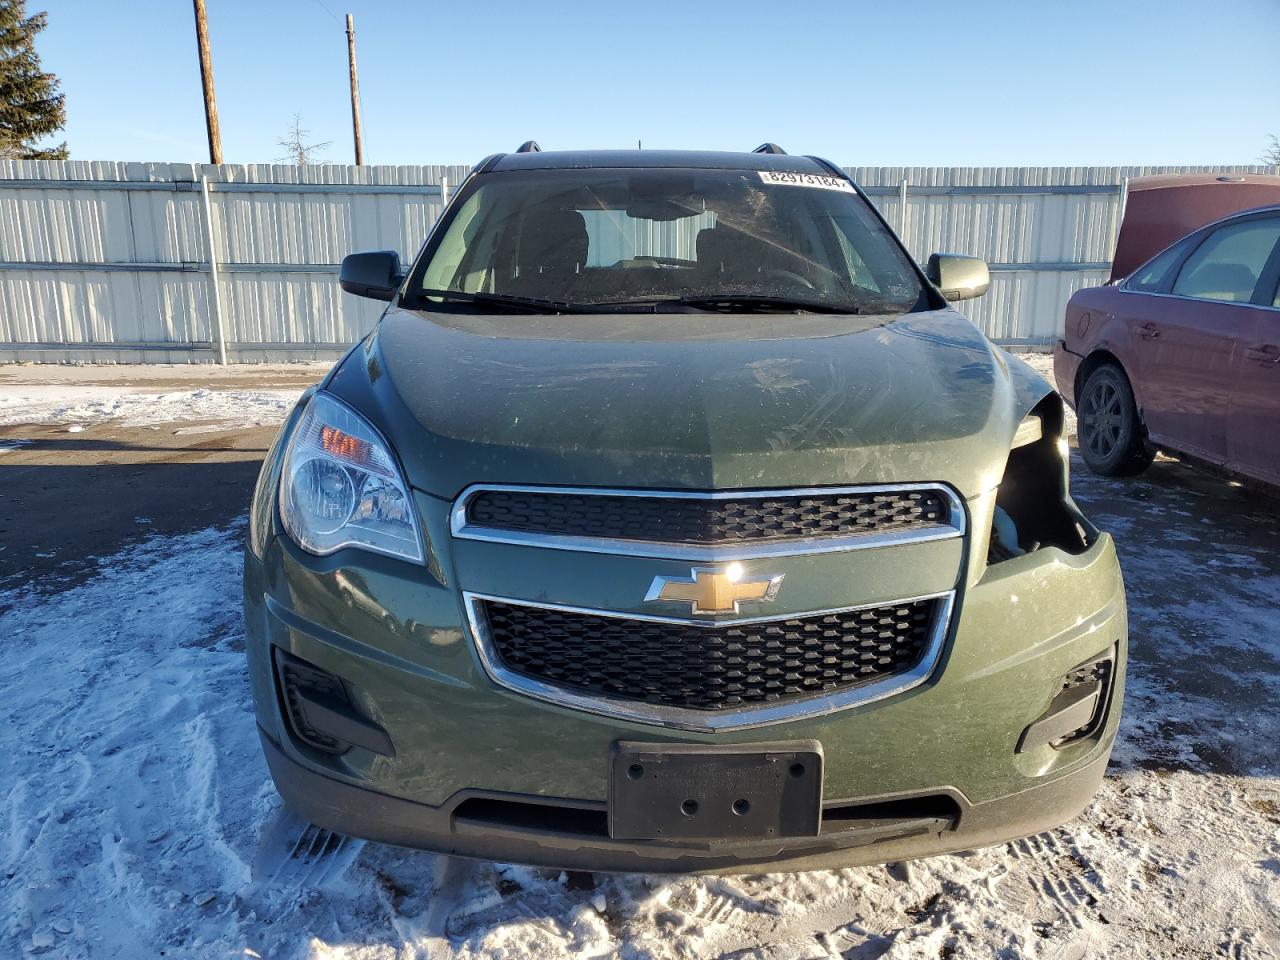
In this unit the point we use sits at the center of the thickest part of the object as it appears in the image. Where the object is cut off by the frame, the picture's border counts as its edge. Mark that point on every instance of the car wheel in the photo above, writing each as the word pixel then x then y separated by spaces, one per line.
pixel 1112 439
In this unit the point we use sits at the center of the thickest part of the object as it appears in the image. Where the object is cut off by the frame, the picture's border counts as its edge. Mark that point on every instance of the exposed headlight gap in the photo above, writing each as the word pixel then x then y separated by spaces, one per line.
pixel 1033 507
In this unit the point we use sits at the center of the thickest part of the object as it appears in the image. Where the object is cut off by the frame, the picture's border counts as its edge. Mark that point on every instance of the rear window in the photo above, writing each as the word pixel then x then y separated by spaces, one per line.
pixel 632 236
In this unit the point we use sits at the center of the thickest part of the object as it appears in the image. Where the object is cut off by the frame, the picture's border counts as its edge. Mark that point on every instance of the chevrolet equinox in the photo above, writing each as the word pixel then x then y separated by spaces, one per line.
pixel 671 519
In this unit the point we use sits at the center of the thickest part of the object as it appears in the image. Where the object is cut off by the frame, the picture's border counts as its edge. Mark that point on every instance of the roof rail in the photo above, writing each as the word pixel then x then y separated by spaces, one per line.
pixel 529 146
pixel 831 168
pixel 769 148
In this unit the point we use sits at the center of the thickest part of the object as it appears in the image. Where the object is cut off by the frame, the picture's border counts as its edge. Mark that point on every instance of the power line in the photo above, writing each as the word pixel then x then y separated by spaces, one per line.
pixel 320 4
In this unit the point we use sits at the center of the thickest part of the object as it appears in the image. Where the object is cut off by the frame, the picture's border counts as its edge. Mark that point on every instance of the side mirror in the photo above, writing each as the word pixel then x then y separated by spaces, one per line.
pixel 374 275
pixel 957 277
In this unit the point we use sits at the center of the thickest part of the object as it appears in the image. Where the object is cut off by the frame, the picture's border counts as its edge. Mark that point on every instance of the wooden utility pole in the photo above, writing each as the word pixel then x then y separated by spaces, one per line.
pixel 206 78
pixel 355 88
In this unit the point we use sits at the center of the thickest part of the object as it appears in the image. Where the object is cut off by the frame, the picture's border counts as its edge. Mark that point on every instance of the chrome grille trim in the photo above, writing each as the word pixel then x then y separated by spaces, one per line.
pixel 676 718
pixel 464 529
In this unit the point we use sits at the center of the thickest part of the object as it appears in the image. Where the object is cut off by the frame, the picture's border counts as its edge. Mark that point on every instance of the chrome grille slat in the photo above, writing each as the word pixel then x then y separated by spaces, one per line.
pixel 733 672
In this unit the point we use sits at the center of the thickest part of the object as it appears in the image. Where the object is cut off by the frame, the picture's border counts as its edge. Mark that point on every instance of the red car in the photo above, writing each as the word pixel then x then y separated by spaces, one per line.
pixel 1183 353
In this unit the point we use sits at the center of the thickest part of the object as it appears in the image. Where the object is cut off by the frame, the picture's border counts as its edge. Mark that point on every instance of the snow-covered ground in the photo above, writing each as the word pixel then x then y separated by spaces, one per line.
pixel 139 820
pixel 78 405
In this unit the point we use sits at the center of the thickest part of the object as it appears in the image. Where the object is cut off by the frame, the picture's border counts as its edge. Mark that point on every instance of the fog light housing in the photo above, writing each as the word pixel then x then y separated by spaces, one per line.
pixel 320 711
pixel 1077 711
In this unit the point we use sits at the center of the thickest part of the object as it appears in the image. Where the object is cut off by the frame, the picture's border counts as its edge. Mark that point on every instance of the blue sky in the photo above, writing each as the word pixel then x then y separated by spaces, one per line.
pixel 982 82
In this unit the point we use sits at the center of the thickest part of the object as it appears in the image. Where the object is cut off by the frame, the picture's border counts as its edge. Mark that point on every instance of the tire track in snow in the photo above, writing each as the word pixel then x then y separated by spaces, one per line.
pixel 1053 867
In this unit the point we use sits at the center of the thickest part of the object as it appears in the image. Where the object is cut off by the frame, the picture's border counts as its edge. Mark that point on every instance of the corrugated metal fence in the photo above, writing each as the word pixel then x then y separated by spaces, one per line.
pixel 174 262
pixel 133 262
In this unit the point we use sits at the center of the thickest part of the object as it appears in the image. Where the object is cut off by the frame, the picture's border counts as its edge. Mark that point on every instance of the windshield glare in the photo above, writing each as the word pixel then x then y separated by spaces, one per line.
pixel 617 236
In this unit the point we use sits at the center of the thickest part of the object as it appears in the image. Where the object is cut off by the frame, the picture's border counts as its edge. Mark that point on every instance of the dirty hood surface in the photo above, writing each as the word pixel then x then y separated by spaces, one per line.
pixel 690 401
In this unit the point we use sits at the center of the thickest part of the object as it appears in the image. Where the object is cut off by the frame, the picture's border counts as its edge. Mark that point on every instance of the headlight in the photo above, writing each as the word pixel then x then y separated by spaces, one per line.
pixel 341 486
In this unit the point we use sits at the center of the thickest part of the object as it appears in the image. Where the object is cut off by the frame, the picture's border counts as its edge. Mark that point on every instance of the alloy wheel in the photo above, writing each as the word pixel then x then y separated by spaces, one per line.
pixel 1103 419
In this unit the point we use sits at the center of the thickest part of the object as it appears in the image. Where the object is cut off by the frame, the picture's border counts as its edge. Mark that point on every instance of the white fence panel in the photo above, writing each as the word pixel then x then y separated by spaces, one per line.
pixel 1045 231
pixel 112 262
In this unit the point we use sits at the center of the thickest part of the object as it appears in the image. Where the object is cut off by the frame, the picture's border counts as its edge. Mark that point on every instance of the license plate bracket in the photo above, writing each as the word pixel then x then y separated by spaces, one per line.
pixel 679 791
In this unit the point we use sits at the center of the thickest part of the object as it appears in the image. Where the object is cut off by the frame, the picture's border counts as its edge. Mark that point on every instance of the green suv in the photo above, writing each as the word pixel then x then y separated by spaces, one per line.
pixel 670 519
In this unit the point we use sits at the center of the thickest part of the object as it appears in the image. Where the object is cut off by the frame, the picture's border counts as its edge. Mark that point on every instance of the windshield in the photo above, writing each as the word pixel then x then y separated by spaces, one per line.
pixel 695 239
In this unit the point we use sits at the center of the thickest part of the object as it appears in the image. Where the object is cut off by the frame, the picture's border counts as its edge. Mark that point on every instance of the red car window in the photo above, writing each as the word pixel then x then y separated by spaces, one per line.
pixel 1229 263
pixel 1151 278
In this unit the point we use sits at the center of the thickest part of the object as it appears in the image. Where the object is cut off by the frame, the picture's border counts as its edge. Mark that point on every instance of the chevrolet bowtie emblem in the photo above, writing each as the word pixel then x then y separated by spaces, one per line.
pixel 708 590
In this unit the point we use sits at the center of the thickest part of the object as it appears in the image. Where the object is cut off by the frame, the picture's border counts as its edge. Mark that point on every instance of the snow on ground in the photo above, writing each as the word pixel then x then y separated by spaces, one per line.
pixel 140 821
pixel 79 404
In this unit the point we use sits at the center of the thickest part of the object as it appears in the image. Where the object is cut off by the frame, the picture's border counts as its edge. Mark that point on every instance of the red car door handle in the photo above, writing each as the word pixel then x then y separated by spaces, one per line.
pixel 1148 331
pixel 1267 354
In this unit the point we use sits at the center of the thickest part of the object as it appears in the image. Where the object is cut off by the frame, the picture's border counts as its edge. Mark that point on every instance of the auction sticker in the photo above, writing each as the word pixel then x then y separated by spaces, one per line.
pixel 788 179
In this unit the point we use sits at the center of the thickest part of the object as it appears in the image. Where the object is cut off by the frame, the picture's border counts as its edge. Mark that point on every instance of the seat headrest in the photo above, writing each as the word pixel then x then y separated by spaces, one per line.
pixel 1220 281
pixel 553 240
pixel 724 248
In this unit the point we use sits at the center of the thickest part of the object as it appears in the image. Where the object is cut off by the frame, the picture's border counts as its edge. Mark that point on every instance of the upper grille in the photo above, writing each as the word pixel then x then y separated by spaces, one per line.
pixel 704 521
pixel 708 668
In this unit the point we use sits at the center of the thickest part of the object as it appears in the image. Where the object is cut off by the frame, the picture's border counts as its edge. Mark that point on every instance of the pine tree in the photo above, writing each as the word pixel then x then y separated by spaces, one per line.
pixel 31 108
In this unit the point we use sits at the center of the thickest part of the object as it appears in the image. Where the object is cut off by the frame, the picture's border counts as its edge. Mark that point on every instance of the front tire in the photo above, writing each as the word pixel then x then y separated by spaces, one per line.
pixel 1112 439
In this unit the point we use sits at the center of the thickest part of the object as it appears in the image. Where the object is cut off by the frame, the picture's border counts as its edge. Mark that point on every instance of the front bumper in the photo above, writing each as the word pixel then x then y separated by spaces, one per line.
pixel 575 842
pixel 398 636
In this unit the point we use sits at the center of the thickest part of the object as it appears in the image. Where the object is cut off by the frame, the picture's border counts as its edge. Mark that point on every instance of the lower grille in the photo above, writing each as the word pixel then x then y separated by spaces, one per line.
pixel 709 669
pixel 888 819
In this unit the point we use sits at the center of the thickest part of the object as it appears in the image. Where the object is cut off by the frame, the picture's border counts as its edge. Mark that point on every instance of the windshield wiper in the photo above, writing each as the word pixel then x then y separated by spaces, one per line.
pixel 751 303
pixel 728 303
pixel 523 304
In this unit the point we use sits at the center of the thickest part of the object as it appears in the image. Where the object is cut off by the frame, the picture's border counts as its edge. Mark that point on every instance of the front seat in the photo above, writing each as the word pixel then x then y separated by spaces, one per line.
pixel 1219 281
pixel 552 252
pixel 727 256
pixel 731 259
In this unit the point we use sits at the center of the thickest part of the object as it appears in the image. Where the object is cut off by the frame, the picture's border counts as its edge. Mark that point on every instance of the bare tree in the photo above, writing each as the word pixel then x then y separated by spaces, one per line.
pixel 297 149
pixel 1272 154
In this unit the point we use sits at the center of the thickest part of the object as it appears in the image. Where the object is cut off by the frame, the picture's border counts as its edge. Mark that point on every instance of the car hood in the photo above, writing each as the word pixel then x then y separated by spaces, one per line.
pixel 689 401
